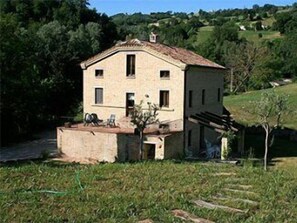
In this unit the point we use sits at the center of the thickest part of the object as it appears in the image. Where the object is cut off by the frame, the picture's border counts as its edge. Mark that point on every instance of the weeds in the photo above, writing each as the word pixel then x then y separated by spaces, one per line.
pixel 131 192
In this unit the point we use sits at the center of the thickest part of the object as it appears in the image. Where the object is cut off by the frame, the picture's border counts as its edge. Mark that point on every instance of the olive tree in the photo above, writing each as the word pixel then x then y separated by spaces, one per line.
pixel 143 117
pixel 269 110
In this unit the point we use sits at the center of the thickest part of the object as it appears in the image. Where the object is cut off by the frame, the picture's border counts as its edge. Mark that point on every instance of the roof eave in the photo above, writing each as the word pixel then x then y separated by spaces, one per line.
pixel 205 66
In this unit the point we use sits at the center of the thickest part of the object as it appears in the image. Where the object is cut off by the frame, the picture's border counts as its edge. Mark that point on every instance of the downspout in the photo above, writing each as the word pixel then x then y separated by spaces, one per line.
pixel 84 68
pixel 185 69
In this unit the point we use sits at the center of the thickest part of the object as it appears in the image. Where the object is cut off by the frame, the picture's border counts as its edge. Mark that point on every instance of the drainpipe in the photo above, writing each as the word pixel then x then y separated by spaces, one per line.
pixel 185 69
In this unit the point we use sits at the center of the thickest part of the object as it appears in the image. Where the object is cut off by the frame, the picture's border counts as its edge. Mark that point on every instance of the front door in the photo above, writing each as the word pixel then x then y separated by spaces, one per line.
pixel 129 103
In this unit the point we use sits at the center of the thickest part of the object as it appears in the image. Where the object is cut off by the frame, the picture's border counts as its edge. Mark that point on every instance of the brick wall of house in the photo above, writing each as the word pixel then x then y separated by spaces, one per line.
pixel 147 81
pixel 199 78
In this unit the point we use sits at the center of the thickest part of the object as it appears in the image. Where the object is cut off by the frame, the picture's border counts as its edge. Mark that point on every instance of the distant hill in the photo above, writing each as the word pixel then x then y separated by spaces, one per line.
pixel 238 105
pixel 257 22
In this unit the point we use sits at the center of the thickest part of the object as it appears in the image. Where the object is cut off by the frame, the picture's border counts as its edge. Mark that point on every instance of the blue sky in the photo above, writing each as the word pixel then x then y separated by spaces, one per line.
pixel 111 7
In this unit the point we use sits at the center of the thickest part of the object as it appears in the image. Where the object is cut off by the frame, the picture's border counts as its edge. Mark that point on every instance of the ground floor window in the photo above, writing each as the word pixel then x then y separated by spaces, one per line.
pixel 98 95
pixel 164 99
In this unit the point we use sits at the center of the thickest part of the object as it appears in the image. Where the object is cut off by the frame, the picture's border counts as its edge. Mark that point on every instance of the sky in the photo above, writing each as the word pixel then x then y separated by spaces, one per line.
pixel 112 7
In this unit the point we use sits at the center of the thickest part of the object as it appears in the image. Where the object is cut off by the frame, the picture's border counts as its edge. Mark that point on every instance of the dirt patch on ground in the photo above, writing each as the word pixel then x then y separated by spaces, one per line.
pixel 67 159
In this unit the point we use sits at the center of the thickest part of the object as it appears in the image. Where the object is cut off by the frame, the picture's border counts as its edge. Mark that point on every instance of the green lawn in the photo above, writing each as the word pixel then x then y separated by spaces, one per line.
pixel 239 105
pixel 268 21
pixel 53 192
pixel 205 32
pixel 254 35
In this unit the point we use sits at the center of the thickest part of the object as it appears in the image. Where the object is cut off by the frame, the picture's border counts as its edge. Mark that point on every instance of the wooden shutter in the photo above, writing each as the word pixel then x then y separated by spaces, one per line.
pixel 203 96
pixel 219 94
pixel 190 98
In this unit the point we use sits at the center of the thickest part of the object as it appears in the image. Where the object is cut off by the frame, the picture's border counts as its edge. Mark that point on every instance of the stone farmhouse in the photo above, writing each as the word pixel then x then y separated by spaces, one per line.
pixel 187 87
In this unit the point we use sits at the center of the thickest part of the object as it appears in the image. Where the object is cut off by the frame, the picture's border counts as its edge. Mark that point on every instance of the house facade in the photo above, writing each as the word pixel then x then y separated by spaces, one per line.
pixel 179 81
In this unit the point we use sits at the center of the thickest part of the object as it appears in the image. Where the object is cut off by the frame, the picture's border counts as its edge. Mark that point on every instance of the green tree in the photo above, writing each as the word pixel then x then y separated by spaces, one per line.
pixel 142 118
pixel 246 60
pixel 85 40
pixel 215 46
pixel 269 110
pixel 288 49
pixel 258 26
pixel 286 21
pixel 20 79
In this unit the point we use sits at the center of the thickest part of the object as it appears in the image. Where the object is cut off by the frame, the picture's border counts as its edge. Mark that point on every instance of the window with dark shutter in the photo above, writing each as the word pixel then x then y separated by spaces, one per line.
pixel 98 95
pixel 164 74
pixel 219 94
pixel 203 96
pixel 190 98
pixel 98 73
pixel 130 65
pixel 190 138
pixel 164 98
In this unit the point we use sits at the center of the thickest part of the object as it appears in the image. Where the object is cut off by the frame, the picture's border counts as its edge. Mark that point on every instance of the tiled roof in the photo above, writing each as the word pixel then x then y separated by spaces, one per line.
pixel 178 54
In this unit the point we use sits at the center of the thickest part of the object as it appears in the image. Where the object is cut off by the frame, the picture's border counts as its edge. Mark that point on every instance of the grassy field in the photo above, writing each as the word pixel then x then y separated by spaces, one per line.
pixel 254 35
pixel 205 32
pixel 54 192
pixel 239 105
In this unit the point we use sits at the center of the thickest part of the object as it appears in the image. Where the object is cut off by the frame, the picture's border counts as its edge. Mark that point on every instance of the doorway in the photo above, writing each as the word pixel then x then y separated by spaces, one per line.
pixel 130 101
pixel 149 151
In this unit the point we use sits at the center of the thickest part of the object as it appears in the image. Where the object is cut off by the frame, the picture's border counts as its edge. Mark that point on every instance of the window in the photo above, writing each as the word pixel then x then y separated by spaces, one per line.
pixel 190 98
pixel 190 138
pixel 164 99
pixel 203 96
pixel 164 74
pixel 219 94
pixel 98 73
pixel 130 65
pixel 98 95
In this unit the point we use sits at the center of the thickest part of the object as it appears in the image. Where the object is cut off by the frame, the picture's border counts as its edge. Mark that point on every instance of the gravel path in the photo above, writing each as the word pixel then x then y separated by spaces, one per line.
pixel 46 143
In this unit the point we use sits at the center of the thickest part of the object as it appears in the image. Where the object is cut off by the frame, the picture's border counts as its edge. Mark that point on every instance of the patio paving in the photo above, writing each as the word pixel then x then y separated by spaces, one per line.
pixel 46 143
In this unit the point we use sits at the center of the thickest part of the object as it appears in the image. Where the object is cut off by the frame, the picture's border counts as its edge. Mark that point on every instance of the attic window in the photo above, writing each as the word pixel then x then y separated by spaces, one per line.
pixel 164 74
pixel 98 73
pixel 130 66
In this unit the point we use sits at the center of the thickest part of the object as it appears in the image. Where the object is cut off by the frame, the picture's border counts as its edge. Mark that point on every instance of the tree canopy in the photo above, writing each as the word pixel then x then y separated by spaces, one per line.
pixel 43 42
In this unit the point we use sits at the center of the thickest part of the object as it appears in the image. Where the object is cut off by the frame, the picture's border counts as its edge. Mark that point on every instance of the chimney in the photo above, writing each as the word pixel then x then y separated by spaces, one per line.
pixel 154 38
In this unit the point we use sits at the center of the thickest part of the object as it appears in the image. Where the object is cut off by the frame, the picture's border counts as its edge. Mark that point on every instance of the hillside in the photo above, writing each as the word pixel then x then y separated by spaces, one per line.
pixel 259 19
pixel 238 105
pixel 251 35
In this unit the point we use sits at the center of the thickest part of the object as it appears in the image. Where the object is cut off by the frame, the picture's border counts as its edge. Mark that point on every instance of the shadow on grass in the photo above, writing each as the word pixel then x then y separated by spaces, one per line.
pixel 281 148
pixel 47 162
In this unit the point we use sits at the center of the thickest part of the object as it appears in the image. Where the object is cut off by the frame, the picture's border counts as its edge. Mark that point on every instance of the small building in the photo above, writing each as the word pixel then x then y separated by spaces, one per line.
pixel 242 28
pixel 181 82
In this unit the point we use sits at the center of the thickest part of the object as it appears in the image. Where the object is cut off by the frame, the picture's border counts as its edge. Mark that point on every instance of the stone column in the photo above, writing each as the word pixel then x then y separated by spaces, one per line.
pixel 224 148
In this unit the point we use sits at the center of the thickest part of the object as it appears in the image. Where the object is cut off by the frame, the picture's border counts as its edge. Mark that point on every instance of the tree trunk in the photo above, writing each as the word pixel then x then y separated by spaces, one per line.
pixel 141 145
pixel 266 127
pixel 231 80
